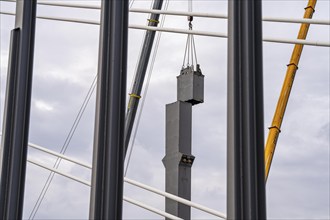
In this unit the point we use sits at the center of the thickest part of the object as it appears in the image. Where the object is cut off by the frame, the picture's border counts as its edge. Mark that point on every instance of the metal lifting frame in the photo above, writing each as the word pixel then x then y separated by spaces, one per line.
pixel 245 140
pixel 135 94
pixel 108 153
pixel 17 112
pixel 275 128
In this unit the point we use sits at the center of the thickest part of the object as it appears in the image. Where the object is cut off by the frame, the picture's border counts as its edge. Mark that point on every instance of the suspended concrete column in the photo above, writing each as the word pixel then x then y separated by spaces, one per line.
pixel 245 127
pixel 15 135
pixel 108 156
pixel 178 159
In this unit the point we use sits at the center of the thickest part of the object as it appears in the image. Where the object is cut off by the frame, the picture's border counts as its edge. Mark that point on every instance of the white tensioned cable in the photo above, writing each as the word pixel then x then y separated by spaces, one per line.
pixel 73 160
pixel 130 3
pixel 132 201
pixel 152 209
pixel 68 5
pixel 131 88
pixel 140 51
pixel 139 185
pixel 224 16
pixel 224 35
pixel 146 89
pixel 190 53
pixel 63 149
pixel 190 6
pixel 184 13
pixel 183 31
pixel 176 198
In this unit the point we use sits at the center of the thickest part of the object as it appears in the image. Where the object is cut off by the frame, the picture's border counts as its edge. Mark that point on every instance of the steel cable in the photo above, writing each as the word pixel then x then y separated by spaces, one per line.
pixel 145 90
pixel 190 54
pixel 65 145
pixel 63 149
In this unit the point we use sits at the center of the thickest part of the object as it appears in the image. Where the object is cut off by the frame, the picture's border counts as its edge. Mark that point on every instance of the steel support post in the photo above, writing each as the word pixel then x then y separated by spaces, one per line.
pixel 108 156
pixel 245 127
pixel 13 152
pixel 135 94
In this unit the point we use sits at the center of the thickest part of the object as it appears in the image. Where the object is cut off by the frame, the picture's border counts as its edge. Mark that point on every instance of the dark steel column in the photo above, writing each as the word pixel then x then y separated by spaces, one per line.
pixel 140 74
pixel 108 156
pixel 17 112
pixel 245 131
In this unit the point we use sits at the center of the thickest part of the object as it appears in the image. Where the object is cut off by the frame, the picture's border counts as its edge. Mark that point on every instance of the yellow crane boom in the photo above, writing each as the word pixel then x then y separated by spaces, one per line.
pixel 275 128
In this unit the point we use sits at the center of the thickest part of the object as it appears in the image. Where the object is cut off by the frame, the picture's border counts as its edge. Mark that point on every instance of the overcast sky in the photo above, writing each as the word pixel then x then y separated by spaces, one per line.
pixel 65 64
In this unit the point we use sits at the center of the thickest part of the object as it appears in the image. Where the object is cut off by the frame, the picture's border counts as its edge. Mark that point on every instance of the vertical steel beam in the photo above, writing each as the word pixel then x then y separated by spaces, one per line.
pixel 108 156
pixel 135 94
pixel 17 112
pixel 245 128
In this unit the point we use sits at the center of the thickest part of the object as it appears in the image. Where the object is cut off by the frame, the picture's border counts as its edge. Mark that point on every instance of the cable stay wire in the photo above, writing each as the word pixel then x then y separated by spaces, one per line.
pixel 183 31
pixel 128 181
pixel 66 143
pixel 64 148
pixel 136 65
pixel 131 2
pixel 180 13
pixel 140 51
pixel 154 55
